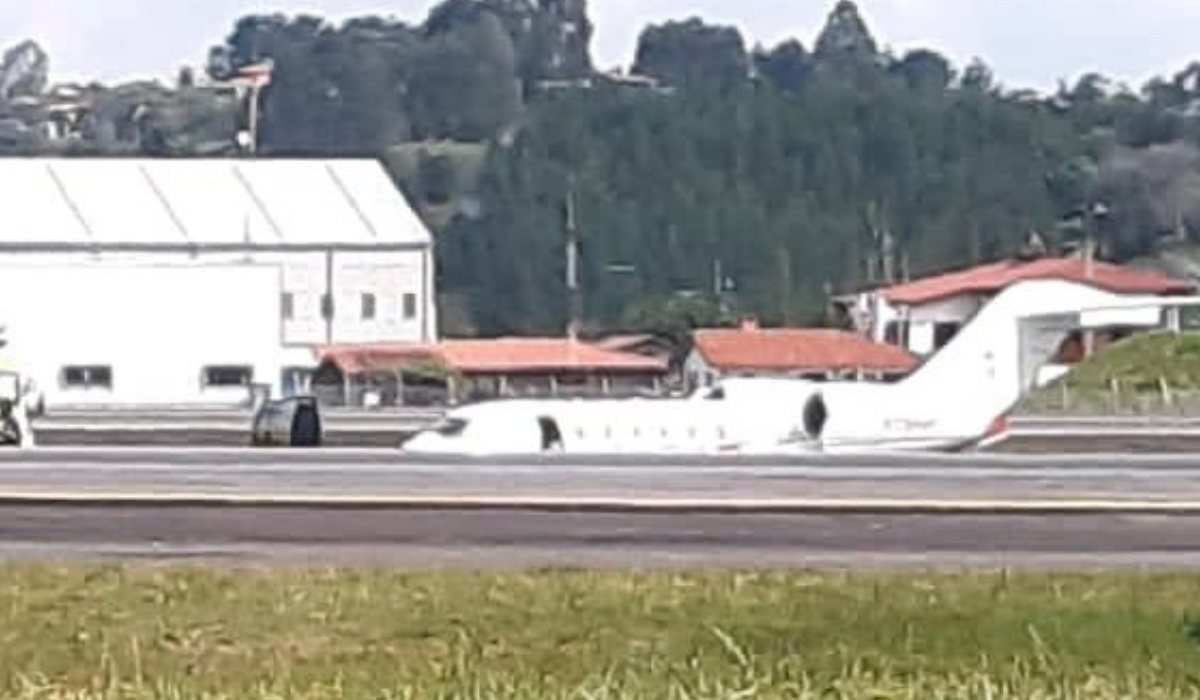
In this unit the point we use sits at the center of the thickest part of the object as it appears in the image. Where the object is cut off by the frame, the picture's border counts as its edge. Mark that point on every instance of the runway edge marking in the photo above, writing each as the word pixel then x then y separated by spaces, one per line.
pixel 649 506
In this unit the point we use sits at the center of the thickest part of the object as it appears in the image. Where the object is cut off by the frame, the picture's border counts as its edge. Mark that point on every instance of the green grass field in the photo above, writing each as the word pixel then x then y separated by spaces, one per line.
pixel 1138 365
pixel 1139 362
pixel 150 632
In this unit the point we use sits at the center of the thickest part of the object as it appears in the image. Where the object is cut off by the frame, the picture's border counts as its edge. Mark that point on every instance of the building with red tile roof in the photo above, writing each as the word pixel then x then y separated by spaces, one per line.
pixel 988 280
pixel 796 352
pixel 925 314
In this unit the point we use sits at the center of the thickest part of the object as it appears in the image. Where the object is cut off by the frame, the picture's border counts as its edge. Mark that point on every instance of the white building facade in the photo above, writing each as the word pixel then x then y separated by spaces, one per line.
pixel 196 281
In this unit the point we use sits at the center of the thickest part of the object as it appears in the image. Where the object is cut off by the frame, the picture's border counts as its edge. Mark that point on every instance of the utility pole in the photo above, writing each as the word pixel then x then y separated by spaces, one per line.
pixel 574 288
pixel 253 78
pixel 1093 211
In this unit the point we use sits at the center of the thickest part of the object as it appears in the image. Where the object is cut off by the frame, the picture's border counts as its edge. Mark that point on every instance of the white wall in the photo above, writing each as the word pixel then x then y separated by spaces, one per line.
pixel 214 303
pixel 922 319
pixel 389 274
pixel 157 327
pixel 957 309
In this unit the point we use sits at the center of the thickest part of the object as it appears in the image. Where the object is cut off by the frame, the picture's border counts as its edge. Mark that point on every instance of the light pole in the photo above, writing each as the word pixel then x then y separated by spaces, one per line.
pixel 574 288
pixel 253 78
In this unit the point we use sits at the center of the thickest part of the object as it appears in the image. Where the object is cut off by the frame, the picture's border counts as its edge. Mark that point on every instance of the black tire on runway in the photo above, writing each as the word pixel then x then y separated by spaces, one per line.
pixel 306 427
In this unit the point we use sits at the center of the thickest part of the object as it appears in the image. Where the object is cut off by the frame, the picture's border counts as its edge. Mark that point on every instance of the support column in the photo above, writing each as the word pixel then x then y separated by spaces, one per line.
pixel 1175 320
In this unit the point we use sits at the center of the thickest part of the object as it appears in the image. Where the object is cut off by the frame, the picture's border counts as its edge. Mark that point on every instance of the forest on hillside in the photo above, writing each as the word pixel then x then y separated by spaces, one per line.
pixel 714 178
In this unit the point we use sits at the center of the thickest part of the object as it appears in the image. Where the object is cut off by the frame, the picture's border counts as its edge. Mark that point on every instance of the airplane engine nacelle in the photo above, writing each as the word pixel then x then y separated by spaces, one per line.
pixel 851 412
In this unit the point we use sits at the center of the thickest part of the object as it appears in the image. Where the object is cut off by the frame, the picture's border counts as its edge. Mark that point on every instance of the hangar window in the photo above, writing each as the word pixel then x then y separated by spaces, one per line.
pixel 368 307
pixel 87 377
pixel 228 375
pixel 287 306
pixel 410 306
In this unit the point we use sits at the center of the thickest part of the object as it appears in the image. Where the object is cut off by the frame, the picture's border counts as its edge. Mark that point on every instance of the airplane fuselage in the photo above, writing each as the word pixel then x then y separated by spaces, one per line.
pixel 747 417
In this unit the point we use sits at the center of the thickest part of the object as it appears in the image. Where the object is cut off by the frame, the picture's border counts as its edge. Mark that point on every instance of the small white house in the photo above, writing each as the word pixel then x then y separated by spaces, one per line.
pixel 923 315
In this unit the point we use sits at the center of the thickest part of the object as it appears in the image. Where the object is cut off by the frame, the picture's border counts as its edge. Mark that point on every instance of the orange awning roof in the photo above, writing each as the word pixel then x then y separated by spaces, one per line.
pixel 496 356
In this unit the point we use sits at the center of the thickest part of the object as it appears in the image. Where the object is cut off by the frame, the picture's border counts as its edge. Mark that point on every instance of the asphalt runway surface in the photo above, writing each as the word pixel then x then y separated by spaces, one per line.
pixel 382 507
pixel 503 540
pixel 387 475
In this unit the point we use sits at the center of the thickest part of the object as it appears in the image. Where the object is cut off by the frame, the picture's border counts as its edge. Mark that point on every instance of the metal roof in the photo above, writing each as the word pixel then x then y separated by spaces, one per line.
pixel 194 202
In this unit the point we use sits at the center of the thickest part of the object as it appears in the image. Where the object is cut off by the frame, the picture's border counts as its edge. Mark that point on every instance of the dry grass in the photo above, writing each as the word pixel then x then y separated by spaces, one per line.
pixel 190 633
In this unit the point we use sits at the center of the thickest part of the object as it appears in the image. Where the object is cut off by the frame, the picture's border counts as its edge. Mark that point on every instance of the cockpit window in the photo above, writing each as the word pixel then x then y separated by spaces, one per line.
pixel 451 427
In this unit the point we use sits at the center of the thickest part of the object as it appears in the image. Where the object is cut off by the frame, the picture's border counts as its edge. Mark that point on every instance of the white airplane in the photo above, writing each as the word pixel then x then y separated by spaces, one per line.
pixel 959 398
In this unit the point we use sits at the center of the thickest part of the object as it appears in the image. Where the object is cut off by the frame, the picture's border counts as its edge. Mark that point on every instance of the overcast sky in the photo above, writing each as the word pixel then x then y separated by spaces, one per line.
pixel 1029 43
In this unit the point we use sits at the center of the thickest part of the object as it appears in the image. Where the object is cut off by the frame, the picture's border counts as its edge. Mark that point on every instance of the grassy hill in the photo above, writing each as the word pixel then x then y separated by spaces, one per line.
pixel 1129 376
pixel 1138 363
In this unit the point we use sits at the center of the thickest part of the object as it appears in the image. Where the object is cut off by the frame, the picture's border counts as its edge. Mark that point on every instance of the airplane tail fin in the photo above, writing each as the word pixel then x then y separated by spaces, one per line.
pixel 997 357
pixel 959 393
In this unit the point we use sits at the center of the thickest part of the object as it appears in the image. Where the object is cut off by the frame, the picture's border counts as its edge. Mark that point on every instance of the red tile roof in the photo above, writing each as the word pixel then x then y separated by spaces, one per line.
pixel 799 349
pixel 497 356
pixel 622 342
pixel 356 359
pixel 993 277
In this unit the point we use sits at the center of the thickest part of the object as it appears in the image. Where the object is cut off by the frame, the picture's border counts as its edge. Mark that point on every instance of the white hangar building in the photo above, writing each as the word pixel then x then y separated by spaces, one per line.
pixel 193 282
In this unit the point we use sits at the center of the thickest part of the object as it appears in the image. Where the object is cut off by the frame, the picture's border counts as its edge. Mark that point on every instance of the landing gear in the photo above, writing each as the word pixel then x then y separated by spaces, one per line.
pixel 552 441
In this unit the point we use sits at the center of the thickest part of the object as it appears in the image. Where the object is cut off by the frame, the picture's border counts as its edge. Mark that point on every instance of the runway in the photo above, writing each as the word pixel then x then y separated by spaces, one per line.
pixel 387 477
pixel 379 506
pixel 505 540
